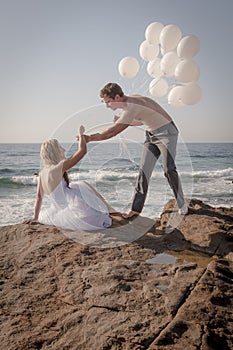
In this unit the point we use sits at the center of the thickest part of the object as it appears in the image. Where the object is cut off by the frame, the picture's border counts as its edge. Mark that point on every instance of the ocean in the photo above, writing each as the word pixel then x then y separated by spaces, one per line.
pixel 206 171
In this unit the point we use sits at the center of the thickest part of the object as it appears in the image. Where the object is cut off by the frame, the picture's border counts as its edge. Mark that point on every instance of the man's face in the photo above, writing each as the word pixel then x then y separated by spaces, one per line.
pixel 111 102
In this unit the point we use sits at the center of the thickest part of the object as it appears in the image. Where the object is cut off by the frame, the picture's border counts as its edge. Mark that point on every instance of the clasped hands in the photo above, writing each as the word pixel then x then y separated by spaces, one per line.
pixel 88 137
pixel 81 131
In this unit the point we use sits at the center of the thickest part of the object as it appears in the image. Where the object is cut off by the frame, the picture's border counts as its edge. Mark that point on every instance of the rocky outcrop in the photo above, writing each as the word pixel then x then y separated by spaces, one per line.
pixel 170 289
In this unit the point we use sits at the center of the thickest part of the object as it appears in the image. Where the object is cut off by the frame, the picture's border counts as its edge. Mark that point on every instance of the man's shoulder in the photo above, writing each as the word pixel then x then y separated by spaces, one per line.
pixel 141 98
pixel 143 101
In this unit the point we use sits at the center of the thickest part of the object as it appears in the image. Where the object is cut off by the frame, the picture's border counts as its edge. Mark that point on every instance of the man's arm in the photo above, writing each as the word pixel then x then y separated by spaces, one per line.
pixel 107 133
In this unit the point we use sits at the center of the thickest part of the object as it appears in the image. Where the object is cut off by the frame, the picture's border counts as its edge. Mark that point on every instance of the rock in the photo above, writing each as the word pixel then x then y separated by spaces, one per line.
pixel 209 230
pixel 203 320
pixel 59 294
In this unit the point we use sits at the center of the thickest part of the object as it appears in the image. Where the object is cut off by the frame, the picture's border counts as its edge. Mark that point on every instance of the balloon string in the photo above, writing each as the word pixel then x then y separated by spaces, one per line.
pixel 132 88
pixel 144 85
pixel 135 84
pixel 124 149
pixel 138 81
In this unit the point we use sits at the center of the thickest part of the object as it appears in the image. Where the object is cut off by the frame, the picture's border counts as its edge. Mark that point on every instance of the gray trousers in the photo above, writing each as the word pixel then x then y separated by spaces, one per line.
pixel 162 142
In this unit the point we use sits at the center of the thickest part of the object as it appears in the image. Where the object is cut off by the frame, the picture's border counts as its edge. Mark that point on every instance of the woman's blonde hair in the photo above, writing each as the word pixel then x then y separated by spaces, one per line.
pixel 50 154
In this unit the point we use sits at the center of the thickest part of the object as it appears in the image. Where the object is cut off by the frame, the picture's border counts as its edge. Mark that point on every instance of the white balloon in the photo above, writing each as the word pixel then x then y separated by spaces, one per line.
pixel 169 63
pixel 174 96
pixel 164 51
pixel 188 46
pixel 128 67
pixel 187 71
pixel 148 51
pixel 153 68
pixel 191 94
pixel 153 31
pixel 170 36
pixel 158 87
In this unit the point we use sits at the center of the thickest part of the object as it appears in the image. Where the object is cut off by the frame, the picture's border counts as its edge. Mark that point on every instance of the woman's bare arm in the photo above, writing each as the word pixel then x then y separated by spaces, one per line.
pixel 77 156
pixel 38 203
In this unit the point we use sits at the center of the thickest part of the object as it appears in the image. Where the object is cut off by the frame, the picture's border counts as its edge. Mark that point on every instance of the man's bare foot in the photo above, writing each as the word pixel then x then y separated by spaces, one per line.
pixel 130 214
pixel 115 212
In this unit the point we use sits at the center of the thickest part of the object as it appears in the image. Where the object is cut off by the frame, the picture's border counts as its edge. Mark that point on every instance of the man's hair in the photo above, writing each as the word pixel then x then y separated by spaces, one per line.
pixel 111 90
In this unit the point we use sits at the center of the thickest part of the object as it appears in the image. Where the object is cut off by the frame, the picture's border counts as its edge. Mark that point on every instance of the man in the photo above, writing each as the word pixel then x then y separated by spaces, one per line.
pixel 161 139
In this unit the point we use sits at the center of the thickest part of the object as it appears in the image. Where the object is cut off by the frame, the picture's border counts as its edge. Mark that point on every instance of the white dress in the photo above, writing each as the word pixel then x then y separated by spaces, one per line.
pixel 76 208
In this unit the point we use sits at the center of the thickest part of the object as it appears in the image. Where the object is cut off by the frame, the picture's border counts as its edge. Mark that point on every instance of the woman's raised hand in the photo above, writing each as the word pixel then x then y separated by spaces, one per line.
pixel 81 130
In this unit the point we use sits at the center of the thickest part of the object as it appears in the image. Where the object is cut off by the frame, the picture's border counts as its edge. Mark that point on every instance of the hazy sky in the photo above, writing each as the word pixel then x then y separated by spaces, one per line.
pixel 55 56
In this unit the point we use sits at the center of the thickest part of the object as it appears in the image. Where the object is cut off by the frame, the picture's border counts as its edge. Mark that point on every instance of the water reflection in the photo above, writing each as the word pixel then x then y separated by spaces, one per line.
pixel 182 258
pixel 162 258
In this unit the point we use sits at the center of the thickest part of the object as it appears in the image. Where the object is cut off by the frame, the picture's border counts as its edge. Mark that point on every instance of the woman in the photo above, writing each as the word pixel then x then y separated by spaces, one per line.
pixel 77 207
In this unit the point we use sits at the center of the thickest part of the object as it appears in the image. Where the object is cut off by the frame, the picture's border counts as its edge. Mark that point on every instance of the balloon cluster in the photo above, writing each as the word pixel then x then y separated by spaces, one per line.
pixel 168 56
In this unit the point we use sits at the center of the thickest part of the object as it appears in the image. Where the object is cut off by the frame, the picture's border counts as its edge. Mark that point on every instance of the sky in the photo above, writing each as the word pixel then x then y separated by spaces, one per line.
pixel 56 55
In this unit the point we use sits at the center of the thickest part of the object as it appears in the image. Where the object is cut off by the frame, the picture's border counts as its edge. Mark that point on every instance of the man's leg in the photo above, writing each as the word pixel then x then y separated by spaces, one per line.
pixel 150 155
pixel 168 152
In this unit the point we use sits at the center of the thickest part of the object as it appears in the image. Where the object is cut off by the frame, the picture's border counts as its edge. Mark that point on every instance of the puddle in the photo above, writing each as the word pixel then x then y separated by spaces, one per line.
pixel 182 257
pixel 162 258
pixel 162 287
